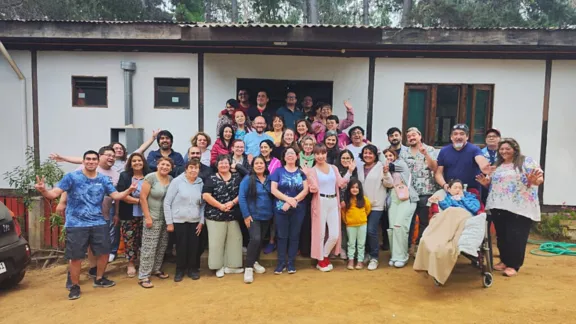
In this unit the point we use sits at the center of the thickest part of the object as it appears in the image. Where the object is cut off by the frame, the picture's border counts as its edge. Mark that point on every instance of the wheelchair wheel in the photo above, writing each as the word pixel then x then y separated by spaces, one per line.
pixel 487 279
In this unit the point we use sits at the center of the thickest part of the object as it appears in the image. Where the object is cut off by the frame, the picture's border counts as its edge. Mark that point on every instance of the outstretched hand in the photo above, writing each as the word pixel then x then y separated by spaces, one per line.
pixel 533 176
pixel 348 106
pixel 40 184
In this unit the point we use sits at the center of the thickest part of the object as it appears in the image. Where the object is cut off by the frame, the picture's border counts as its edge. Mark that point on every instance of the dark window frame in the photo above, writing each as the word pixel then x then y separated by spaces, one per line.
pixel 158 106
pixel 75 91
pixel 431 103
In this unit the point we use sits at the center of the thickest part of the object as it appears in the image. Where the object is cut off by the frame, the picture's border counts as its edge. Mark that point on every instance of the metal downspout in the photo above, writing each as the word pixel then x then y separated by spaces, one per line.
pixel 129 69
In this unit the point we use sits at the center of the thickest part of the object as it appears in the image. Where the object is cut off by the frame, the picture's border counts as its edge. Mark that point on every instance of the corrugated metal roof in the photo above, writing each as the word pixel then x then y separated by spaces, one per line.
pixel 265 25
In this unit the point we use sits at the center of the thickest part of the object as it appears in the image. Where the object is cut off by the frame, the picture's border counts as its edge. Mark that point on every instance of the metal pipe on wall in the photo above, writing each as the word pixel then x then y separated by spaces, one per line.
pixel 129 69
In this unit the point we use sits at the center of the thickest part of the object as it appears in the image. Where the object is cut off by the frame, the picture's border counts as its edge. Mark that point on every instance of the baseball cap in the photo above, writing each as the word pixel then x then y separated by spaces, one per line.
pixel 462 127
pixel 493 130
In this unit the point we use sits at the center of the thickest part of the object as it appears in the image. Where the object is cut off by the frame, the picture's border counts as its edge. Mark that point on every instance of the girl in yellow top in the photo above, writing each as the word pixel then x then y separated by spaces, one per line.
pixel 355 217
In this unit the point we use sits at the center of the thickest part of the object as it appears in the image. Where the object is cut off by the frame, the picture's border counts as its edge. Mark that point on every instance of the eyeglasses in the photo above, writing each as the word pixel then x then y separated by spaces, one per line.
pixel 492 136
pixel 290 153
pixel 357 133
pixel 291 97
pixel 108 155
pixel 240 94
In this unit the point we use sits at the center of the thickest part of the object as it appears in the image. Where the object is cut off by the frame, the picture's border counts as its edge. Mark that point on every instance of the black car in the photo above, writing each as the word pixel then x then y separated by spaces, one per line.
pixel 14 250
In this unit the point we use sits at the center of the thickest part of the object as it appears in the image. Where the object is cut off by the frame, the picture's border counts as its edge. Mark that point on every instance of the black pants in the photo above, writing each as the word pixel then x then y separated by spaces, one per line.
pixel 512 232
pixel 187 247
pixel 306 230
pixel 422 212
pixel 257 231
pixel 244 230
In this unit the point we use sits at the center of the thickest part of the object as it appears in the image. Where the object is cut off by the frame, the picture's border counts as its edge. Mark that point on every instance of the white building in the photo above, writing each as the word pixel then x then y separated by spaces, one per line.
pixel 72 92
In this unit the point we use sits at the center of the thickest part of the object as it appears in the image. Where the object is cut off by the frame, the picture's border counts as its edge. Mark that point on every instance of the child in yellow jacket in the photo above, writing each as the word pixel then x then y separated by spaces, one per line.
pixel 355 217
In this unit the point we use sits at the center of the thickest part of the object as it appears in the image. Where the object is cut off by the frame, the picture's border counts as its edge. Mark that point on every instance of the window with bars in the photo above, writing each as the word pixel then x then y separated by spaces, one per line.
pixel 435 108
pixel 89 91
pixel 171 93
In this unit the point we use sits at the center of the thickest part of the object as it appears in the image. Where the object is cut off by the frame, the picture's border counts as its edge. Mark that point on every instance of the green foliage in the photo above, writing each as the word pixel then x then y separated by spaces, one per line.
pixel 23 178
pixel 493 13
pixel 550 227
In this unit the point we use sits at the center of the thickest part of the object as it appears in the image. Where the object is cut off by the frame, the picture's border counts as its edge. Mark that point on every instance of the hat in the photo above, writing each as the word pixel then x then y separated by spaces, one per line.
pixel 493 130
pixel 462 127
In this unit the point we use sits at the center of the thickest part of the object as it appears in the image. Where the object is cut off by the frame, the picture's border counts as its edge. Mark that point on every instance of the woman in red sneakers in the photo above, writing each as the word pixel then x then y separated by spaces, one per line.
pixel 325 181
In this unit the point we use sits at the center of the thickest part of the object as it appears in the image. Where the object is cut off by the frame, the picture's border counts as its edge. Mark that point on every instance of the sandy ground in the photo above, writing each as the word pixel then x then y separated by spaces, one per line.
pixel 544 292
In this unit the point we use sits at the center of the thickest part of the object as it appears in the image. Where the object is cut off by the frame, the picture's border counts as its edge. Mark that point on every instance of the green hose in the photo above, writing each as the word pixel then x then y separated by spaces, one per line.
pixel 550 249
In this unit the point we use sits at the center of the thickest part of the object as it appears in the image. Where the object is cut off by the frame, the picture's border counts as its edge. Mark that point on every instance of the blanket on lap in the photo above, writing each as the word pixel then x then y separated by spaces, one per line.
pixel 438 250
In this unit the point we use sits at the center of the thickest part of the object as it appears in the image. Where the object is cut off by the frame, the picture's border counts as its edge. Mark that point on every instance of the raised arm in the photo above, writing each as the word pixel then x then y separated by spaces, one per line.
pixel 50 194
pixel 349 120
pixel 70 159
pixel 148 143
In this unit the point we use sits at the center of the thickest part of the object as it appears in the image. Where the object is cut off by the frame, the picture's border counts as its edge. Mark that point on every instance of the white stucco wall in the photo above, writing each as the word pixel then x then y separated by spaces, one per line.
pixel 12 105
pixel 518 92
pixel 350 77
pixel 72 130
pixel 560 174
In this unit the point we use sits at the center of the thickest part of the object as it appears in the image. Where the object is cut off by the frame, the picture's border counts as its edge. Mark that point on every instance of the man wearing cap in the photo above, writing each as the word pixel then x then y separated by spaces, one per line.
pixel 461 160
pixel 489 151
pixel 165 140
pixel 492 139
pixel 421 159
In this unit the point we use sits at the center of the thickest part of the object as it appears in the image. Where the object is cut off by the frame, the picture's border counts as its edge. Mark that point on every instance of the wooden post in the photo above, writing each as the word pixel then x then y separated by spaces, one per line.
pixel 35 226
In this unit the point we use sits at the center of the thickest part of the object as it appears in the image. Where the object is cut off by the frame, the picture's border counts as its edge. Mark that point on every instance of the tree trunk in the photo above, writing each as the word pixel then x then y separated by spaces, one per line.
pixel 208 10
pixel 313 13
pixel 234 11
pixel 366 12
pixel 406 9
pixel 305 11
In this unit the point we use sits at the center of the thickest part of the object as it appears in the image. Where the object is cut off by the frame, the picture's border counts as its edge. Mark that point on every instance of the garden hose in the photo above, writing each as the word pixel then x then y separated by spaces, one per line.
pixel 550 249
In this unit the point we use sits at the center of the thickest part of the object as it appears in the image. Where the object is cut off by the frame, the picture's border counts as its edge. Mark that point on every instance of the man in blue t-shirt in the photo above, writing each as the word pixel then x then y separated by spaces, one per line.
pixel 85 223
pixel 461 160
pixel 252 140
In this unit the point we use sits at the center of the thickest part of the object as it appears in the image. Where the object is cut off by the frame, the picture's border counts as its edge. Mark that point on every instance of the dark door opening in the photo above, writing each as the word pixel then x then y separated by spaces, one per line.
pixel 320 91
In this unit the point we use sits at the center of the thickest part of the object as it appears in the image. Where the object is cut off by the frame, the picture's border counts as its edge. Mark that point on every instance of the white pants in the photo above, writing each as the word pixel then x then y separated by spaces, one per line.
pixel 329 218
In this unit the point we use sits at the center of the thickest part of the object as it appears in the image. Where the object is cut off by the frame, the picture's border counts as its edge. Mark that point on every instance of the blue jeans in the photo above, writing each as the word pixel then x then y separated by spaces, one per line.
pixel 372 237
pixel 288 225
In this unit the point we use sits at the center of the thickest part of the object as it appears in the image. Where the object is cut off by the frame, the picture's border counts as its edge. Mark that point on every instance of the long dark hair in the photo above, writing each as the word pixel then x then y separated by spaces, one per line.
pixel 338 162
pixel 221 136
pixel 359 197
pixel 128 166
pixel 253 177
pixel 518 158
pixel 332 153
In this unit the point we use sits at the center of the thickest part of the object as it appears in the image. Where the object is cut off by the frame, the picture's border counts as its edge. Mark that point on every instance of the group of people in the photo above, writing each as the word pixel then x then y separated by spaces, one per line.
pixel 291 180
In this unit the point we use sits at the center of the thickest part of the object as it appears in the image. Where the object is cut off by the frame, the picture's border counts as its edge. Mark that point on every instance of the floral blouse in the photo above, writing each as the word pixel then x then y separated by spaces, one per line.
pixel 422 177
pixel 509 190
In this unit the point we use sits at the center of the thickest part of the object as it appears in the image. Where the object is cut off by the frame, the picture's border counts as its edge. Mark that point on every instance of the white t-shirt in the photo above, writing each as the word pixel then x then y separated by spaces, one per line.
pixel 356 150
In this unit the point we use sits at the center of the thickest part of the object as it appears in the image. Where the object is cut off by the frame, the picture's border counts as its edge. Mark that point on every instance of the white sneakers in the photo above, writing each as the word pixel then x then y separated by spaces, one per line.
pixel 233 270
pixel 397 264
pixel 225 270
pixel 373 265
pixel 248 275
pixel 258 268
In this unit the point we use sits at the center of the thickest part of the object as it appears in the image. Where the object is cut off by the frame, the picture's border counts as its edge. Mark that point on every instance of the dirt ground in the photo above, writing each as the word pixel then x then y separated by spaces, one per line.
pixel 544 292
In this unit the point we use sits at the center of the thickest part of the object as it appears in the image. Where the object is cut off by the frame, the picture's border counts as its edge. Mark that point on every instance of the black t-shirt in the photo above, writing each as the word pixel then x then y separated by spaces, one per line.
pixel 223 192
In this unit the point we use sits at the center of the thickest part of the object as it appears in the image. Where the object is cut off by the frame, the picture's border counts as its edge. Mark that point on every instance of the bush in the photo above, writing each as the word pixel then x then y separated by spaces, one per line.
pixel 550 227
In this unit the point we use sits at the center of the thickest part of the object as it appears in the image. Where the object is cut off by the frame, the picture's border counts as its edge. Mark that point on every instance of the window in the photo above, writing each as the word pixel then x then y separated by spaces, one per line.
pixel 435 108
pixel 89 91
pixel 171 93
pixel 320 91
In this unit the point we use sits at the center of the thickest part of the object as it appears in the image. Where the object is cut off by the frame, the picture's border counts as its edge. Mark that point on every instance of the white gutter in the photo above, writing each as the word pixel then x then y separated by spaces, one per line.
pixel 24 96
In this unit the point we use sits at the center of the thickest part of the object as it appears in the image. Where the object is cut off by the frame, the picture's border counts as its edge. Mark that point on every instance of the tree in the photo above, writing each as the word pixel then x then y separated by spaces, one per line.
pixel 493 13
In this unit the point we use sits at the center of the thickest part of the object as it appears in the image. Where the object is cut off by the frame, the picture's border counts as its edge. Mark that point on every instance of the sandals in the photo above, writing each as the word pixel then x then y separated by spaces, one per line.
pixel 500 267
pixel 161 275
pixel 131 272
pixel 510 272
pixel 146 283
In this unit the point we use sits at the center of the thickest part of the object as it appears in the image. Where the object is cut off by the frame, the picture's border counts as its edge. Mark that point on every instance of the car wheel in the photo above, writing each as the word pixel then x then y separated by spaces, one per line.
pixel 12 280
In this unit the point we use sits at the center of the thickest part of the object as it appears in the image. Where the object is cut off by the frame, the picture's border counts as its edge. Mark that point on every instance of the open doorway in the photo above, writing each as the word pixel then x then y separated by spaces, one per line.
pixel 320 91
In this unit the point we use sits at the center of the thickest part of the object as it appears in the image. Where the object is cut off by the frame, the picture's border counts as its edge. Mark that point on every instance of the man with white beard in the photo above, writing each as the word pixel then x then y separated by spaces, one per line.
pixel 461 160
